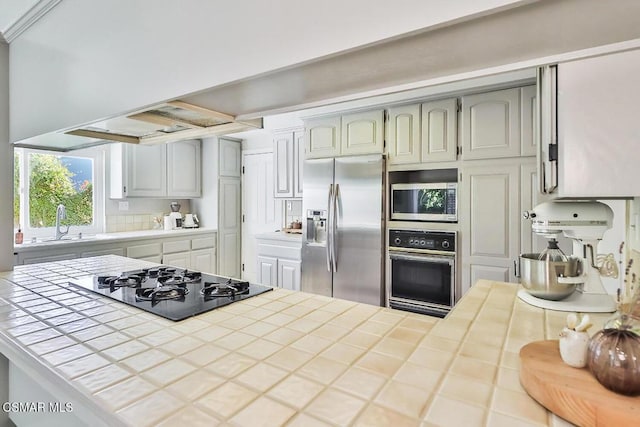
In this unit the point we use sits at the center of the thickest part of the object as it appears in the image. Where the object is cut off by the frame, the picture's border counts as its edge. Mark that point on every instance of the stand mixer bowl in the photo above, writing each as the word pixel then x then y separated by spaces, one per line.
pixel 540 278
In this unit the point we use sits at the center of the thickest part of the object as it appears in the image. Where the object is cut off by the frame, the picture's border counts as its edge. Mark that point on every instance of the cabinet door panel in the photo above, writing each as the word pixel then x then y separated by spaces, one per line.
pixel 322 137
pixel 180 260
pixel 184 169
pixel 490 219
pixel 229 215
pixel 289 274
pixel 204 260
pixel 267 269
pixel 230 158
pixel 403 134
pixel 529 122
pixel 488 272
pixel 439 131
pixel 283 165
pixel 298 162
pixel 146 170
pixel 100 252
pixel 362 133
pixel 491 125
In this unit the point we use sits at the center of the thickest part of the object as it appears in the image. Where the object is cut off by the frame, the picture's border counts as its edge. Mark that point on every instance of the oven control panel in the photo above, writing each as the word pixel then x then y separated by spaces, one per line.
pixel 423 239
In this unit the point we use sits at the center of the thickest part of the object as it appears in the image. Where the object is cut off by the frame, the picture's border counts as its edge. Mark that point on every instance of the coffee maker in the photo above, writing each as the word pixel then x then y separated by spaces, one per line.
pixel 585 222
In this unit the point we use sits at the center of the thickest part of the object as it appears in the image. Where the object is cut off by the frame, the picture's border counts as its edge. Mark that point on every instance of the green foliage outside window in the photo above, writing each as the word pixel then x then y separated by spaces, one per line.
pixel 16 189
pixel 51 184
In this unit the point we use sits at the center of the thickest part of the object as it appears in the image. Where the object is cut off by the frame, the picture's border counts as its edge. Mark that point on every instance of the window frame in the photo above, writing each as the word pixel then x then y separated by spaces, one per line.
pixel 98 157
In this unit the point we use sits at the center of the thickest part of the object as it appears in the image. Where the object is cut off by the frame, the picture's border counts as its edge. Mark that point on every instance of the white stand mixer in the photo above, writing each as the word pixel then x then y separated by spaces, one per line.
pixel 585 222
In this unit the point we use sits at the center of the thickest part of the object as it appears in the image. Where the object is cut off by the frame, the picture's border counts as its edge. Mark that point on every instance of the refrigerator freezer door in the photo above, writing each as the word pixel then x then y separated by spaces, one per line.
pixel 358 236
pixel 318 181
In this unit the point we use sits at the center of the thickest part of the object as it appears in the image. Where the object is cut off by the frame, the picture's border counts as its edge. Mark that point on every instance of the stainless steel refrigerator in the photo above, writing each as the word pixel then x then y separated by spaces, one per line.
pixel 342 245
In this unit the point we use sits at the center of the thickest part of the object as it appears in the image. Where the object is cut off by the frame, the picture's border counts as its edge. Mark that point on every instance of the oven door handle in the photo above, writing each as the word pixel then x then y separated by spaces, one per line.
pixel 422 258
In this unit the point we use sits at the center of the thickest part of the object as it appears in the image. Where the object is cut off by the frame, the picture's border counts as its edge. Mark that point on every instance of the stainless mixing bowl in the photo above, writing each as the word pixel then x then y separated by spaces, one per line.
pixel 541 280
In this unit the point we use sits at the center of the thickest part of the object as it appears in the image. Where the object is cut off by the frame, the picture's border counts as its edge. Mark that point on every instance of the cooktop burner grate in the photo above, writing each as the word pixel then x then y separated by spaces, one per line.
pixel 230 289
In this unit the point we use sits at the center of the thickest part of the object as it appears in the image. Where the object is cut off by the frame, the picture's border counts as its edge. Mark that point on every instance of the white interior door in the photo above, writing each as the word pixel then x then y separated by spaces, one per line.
pixel 262 212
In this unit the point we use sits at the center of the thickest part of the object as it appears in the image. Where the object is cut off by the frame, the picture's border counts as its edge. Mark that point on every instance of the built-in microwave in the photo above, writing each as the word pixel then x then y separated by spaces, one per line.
pixel 425 201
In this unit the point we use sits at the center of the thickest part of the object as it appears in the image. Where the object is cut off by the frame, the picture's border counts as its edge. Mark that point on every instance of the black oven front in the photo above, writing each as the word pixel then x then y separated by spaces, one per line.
pixel 422 271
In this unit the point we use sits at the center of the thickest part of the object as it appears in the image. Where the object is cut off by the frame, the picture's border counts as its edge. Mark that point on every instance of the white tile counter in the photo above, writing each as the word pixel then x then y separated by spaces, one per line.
pixel 280 358
pixel 112 237
pixel 280 235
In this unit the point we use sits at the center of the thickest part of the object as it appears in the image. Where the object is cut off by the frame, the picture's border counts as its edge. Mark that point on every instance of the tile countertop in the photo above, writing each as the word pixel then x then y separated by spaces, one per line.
pixel 281 235
pixel 113 237
pixel 280 358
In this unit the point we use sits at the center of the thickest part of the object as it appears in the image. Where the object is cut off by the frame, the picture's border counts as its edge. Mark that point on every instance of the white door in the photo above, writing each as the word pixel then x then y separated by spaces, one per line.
pixel 262 212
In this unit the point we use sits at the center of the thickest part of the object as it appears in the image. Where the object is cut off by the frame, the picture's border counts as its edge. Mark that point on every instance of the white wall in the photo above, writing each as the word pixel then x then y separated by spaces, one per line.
pixel 104 58
pixel 6 166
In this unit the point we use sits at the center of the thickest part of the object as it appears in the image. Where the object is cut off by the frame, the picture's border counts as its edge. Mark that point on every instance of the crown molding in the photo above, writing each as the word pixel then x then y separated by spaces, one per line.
pixel 28 19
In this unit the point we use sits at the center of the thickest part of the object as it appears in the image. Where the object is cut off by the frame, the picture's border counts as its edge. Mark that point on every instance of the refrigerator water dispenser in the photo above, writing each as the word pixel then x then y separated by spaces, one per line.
pixel 317 226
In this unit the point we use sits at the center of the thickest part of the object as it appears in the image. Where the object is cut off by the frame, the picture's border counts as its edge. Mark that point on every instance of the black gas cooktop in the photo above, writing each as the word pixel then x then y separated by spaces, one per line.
pixel 173 293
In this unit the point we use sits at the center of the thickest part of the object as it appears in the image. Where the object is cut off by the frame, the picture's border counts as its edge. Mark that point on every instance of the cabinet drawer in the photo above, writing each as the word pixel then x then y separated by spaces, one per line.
pixel 143 251
pixel 203 243
pixel 279 251
pixel 177 246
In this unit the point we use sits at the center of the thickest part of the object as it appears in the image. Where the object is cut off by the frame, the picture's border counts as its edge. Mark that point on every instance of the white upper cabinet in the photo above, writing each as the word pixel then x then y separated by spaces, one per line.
pixel 230 160
pixel 424 133
pixel 161 170
pixel 288 158
pixel 322 137
pixel 362 133
pixel 491 125
pixel 528 121
pixel 146 170
pixel 346 135
pixel 184 169
pixel 403 134
pixel 439 130
pixel 298 163
pixel 597 127
pixel 283 164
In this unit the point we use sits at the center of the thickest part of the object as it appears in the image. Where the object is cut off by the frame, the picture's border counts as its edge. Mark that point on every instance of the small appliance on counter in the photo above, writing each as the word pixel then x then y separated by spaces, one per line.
pixel 558 282
pixel 173 293
pixel 190 221
pixel 175 215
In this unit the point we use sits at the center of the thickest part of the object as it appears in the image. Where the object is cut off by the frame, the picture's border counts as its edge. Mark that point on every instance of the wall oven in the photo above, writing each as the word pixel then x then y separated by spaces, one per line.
pixel 422 271
pixel 425 201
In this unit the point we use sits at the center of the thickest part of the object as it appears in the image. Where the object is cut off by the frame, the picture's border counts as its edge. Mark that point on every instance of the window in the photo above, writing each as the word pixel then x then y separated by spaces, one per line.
pixel 43 180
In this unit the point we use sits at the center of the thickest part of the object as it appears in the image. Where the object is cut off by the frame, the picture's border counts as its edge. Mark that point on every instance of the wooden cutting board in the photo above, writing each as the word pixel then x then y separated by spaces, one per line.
pixel 573 394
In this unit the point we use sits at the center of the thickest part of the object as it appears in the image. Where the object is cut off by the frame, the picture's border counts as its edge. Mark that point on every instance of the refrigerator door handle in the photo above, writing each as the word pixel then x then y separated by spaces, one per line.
pixel 328 241
pixel 334 228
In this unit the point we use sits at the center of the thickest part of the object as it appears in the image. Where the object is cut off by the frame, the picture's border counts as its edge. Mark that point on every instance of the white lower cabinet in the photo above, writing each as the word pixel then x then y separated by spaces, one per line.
pixel 180 260
pixel 195 254
pixel 268 270
pixel 279 261
pixel 204 260
pixel 289 274
pixel 192 252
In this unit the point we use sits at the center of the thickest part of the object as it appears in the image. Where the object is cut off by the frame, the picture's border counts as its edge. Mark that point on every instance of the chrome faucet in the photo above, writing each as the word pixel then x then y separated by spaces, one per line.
pixel 61 213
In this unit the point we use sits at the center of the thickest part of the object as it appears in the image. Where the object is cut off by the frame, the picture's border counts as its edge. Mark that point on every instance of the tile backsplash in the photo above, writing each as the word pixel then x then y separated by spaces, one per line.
pixel 133 222
pixel 292 211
